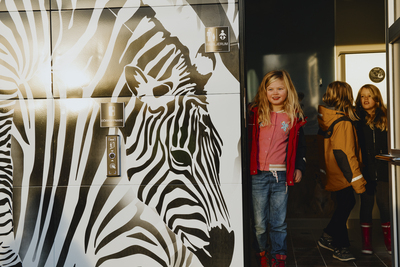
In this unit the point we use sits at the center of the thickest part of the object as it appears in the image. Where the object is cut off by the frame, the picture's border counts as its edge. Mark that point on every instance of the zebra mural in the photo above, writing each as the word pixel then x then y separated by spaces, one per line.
pixel 59 60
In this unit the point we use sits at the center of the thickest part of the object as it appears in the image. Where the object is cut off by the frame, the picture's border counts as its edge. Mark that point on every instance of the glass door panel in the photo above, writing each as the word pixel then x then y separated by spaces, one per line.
pixel 393 93
pixel 395 100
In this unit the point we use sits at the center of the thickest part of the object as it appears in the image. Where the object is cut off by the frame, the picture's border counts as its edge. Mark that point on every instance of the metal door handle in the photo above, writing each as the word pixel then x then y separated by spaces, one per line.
pixel 388 157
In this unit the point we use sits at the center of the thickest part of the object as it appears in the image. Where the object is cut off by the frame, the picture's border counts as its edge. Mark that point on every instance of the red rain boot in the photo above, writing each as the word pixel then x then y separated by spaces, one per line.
pixel 387 236
pixel 263 259
pixel 366 238
pixel 280 261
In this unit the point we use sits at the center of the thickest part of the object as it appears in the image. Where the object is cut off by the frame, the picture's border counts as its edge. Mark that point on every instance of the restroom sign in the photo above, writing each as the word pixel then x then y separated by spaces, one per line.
pixel 112 115
pixel 217 39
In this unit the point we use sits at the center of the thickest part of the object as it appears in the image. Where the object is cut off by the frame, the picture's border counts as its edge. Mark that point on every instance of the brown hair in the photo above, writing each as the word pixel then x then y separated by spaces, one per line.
pixel 339 95
pixel 381 122
pixel 291 104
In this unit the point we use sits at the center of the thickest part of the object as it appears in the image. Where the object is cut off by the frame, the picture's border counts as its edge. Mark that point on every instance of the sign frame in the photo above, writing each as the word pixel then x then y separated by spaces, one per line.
pixel 217 39
pixel 112 114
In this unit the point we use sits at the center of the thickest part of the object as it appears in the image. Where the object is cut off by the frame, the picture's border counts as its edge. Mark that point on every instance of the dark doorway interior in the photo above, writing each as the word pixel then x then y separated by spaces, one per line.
pixel 300 37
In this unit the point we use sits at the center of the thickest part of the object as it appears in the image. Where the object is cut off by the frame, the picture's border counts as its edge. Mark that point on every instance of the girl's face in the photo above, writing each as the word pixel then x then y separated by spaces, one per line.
pixel 367 102
pixel 277 94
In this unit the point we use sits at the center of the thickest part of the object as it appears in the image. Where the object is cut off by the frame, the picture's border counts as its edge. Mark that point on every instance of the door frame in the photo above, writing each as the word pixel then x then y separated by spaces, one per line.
pixel 393 82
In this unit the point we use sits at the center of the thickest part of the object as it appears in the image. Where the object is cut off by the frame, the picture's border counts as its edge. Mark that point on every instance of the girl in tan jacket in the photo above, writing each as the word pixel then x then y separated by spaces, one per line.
pixel 340 162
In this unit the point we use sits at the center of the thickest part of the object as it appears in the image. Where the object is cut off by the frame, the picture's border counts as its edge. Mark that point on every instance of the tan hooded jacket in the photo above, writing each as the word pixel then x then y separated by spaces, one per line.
pixel 340 157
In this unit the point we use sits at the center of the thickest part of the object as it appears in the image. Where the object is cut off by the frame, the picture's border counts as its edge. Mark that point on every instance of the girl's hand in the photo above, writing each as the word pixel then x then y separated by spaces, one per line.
pixel 297 176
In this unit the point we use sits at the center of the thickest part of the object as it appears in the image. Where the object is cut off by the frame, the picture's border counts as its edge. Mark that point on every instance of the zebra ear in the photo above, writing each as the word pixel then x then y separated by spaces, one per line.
pixel 134 77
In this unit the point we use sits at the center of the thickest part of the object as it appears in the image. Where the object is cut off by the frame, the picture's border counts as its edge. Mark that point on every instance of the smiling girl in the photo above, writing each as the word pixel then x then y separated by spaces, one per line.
pixel 277 159
pixel 372 138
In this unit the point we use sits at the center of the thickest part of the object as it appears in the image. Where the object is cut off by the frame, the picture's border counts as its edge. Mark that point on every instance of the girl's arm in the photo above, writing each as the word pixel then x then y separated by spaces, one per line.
pixel 344 151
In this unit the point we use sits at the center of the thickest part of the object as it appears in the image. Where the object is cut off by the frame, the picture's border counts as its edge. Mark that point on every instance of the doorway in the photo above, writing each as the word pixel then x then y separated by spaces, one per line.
pixel 366 68
pixel 315 34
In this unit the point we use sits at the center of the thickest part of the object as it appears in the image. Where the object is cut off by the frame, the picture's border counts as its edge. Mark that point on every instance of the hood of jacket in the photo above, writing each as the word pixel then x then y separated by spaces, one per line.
pixel 327 115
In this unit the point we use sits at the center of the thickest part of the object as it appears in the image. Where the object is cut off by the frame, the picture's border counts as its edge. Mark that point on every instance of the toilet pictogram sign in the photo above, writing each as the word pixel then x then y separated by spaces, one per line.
pixel 217 39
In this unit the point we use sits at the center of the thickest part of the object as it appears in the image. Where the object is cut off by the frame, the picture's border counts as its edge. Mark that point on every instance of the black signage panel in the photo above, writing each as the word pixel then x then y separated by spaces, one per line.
pixel 112 115
pixel 217 39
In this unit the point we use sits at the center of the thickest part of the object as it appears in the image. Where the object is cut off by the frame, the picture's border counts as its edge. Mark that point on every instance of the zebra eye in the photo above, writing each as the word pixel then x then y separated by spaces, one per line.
pixel 181 158
pixel 161 90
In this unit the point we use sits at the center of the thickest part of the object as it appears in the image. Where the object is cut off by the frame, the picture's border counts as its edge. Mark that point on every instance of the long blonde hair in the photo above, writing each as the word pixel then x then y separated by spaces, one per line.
pixel 381 122
pixel 291 105
pixel 339 95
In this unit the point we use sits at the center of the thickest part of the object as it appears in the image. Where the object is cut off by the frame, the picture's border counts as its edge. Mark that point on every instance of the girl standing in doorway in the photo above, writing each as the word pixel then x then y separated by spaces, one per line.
pixel 277 159
pixel 340 162
pixel 372 137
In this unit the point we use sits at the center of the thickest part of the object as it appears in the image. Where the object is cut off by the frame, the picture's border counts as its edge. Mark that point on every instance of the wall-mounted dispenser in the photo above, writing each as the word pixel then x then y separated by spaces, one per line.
pixel 113 156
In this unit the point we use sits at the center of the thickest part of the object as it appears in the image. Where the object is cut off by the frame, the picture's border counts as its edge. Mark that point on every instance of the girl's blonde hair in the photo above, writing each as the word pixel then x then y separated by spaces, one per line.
pixel 291 105
pixel 339 95
pixel 372 122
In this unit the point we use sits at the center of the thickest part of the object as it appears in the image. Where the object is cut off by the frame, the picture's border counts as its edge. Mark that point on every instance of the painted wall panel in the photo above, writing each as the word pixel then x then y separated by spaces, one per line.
pixel 23 5
pixel 103 52
pixel 33 250
pixel 15 5
pixel 84 4
pixel 25 55
pixel 178 200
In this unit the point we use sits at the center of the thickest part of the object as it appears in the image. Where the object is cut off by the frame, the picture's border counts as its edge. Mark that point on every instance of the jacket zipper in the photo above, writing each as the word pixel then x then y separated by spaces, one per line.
pixel 373 137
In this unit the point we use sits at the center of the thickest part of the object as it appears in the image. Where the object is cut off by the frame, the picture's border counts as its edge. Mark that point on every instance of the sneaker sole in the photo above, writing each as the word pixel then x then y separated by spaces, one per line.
pixel 325 247
pixel 341 259
pixel 368 252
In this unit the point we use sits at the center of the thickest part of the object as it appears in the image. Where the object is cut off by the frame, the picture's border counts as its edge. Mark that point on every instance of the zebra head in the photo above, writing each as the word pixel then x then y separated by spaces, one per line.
pixel 173 149
pixel 167 74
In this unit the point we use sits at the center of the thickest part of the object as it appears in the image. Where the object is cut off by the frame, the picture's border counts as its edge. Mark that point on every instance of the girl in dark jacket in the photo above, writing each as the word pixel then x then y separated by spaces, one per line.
pixel 372 138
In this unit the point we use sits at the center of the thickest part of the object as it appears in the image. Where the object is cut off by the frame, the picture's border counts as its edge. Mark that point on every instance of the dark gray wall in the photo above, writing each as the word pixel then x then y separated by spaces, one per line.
pixel 298 36
pixel 360 22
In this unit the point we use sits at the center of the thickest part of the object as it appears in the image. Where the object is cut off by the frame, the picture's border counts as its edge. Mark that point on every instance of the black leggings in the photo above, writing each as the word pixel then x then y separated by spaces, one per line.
pixel 337 227
pixel 381 193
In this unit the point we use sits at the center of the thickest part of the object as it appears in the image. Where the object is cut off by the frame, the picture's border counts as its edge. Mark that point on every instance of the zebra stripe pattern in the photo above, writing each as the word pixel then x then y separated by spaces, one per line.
pixel 57 208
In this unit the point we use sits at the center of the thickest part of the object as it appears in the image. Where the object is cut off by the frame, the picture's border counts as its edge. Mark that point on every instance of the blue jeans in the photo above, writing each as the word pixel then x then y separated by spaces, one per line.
pixel 270 197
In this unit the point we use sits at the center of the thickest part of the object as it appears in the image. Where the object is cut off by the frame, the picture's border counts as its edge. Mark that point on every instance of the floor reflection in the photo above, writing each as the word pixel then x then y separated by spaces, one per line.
pixel 303 250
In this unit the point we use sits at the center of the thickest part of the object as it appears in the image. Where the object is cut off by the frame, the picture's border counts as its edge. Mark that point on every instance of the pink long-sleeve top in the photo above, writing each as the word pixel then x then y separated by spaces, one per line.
pixel 273 142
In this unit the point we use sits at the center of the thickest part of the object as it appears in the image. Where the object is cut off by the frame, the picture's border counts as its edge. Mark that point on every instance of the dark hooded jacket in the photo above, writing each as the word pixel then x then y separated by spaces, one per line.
pixel 372 142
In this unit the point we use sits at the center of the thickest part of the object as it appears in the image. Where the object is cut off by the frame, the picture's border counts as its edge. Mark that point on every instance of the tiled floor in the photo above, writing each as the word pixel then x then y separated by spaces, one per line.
pixel 303 250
